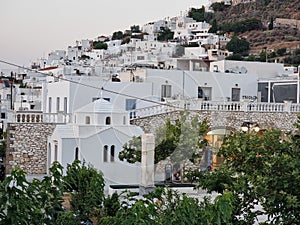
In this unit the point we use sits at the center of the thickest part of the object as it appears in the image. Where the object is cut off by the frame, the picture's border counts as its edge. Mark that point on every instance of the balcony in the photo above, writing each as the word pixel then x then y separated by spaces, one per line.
pixel 40 117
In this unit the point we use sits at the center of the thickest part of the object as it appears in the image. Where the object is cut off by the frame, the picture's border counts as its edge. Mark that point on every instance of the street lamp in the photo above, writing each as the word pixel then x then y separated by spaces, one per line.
pixel 250 126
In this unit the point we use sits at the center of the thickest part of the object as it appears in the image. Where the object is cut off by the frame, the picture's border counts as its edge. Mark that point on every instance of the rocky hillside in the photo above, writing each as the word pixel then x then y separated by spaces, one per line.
pixel 279 37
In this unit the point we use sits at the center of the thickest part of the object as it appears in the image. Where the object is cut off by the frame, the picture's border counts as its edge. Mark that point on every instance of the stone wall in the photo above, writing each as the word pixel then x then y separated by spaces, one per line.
pixel 287 22
pixel 230 120
pixel 27 147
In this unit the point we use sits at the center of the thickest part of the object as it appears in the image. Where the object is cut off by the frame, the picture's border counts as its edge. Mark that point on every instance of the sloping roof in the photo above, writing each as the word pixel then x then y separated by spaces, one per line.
pixel 99 106
pixel 67 131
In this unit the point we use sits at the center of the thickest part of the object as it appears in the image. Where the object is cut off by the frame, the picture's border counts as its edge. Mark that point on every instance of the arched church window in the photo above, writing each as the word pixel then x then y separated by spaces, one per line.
pixel 76 153
pixel 105 153
pixel 107 120
pixel 112 153
pixel 87 120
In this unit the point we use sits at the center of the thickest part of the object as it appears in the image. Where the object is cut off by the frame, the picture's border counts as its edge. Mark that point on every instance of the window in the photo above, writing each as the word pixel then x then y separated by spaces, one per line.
pixel 204 93
pixel 3 115
pixel 235 94
pixel 124 120
pixel 55 152
pixel 50 104
pixel 105 149
pixel 95 99
pixel 107 120
pixel 112 153
pixel 76 153
pixel 166 91
pixel 57 104
pixel 49 155
pixel 65 104
pixel 140 57
pixel 131 105
pixel 87 120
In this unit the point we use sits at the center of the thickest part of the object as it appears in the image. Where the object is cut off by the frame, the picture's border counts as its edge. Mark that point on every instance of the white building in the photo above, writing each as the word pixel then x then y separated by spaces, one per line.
pixel 77 91
pixel 96 136
pixel 261 69
pixel 155 27
pixel 212 86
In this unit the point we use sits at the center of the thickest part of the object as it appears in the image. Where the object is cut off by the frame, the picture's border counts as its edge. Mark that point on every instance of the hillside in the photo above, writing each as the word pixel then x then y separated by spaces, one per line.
pixel 264 10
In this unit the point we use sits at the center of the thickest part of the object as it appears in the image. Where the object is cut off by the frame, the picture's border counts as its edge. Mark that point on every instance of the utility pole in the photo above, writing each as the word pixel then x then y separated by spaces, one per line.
pixel 11 90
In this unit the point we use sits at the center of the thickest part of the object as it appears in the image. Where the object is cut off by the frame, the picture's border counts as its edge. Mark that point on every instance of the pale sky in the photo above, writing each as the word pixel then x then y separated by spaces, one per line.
pixel 30 29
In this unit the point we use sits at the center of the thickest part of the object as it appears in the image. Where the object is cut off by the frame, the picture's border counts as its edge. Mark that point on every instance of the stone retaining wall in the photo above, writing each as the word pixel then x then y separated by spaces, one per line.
pixel 231 120
pixel 27 147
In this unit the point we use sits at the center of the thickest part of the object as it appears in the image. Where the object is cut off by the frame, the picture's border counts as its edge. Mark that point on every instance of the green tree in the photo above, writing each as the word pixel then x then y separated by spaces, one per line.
pixel 260 169
pixel 118 35
pixel 271 24
pixel 214 27
pixel 165 206
pixel 263 57
pixel 219 6
pixel 135 29
pixel 251 58
pixel 200 15
pixel 132 150
pixel 36 202
pixel 99 45
pixel 242 26
pixel 281 51
pixel 111 204
pixel 181 139
pixel 165 35
pixel 236 56
pixel 237 45
pixel 86 186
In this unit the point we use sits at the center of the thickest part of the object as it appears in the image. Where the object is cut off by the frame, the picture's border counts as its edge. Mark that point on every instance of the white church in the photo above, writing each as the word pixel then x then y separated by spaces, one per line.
pixel 96 136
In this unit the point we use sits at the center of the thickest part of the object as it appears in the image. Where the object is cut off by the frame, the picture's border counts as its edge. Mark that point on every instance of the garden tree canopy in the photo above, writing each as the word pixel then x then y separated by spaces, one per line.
pixel 118 35
pixel 219 6
pixel 165 34
pixel 200 15
pixel 259 169
pixel 242 26
pixel 181 139
pixel 135 29
pixel 169 207
pixel 86 186
pixel 40 202
pixel 100 45
pixel 238 46
pixel 23 202
pixel 214 27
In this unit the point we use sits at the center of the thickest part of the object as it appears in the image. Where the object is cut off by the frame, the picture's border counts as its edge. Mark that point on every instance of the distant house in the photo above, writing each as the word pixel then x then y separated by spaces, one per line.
pixel 102 38
pixel 96 136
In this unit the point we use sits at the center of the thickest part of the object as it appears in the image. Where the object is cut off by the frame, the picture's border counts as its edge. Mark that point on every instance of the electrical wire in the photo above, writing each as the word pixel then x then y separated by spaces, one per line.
pixel 91 86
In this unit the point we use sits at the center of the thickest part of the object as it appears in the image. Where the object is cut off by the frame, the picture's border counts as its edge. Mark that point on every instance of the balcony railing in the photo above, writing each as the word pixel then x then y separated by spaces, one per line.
pixel 176 105
pixel 40 117
pixel 199 105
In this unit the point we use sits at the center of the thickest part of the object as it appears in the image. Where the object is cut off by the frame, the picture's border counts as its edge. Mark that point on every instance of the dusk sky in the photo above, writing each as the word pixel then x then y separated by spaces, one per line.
pixel 31 29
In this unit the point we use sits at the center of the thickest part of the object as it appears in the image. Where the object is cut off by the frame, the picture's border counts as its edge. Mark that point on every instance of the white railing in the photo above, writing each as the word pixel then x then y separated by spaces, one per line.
pixel 39 117
pixel 199 105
